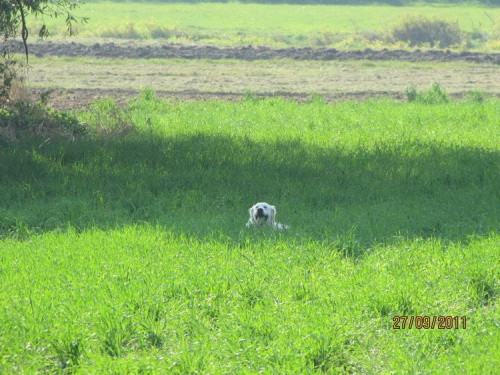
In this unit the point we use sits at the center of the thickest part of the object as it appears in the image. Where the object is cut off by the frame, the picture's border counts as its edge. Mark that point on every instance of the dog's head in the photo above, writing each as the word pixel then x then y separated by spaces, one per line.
pixel 262 213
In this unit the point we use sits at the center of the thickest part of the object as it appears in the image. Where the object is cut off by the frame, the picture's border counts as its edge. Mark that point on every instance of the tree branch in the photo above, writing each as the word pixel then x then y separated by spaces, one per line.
pixel 24 29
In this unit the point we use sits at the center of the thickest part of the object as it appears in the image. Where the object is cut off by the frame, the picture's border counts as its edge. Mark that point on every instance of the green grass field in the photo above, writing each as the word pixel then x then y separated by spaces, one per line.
pixel 277 25
pixel 130 254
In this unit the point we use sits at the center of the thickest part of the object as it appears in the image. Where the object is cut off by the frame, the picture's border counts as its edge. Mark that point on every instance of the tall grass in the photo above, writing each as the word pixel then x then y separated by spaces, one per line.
pixel 351 161
pixel 130 254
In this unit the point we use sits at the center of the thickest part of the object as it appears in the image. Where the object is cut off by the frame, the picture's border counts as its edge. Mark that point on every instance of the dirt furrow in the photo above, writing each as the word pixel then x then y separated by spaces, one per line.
pixel 248 53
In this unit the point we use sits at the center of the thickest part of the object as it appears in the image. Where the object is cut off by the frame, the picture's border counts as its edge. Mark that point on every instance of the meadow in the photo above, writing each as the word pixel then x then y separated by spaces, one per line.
pixel 266 77
pixel 233 24
pixel 127 251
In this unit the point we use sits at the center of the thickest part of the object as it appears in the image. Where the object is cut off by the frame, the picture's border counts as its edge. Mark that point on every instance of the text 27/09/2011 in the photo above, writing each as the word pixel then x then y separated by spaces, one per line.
pixel 429 322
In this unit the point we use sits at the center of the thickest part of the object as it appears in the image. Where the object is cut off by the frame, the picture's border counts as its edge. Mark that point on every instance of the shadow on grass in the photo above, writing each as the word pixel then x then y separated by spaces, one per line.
pixel 203 184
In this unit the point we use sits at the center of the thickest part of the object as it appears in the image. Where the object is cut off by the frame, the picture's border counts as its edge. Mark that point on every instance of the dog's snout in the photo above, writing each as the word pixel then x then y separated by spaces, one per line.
pixel 261 214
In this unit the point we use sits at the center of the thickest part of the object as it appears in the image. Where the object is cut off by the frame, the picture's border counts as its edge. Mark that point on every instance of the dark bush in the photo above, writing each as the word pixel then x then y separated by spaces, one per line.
pixel 417 31
pixel 24 118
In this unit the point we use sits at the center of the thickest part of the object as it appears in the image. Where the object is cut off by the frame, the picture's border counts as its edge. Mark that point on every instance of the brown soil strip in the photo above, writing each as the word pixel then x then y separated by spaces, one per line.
pixel 249 53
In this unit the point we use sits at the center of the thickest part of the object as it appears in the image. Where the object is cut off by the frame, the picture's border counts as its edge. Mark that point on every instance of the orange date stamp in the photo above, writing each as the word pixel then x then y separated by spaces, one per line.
pixel 429 322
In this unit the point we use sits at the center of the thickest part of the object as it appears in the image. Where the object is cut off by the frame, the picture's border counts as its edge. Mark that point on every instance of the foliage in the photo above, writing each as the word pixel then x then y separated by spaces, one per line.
pixel 13 19
pixel 435 95
pixel 23 118
pixel 105 118
pixel 418 31
pixel 477 96
pixel 7 77
pixel 13 15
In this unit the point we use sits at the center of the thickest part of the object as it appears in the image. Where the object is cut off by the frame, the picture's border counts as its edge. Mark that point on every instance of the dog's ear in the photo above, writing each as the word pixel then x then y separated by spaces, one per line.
pixel 251 211
pixel 273 214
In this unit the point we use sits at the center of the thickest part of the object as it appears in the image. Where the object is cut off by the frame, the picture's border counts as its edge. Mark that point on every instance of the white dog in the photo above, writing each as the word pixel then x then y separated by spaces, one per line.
pixel 264 214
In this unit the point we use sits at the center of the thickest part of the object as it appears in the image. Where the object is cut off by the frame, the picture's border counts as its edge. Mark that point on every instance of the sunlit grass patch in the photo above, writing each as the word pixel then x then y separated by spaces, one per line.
pixel 123 299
